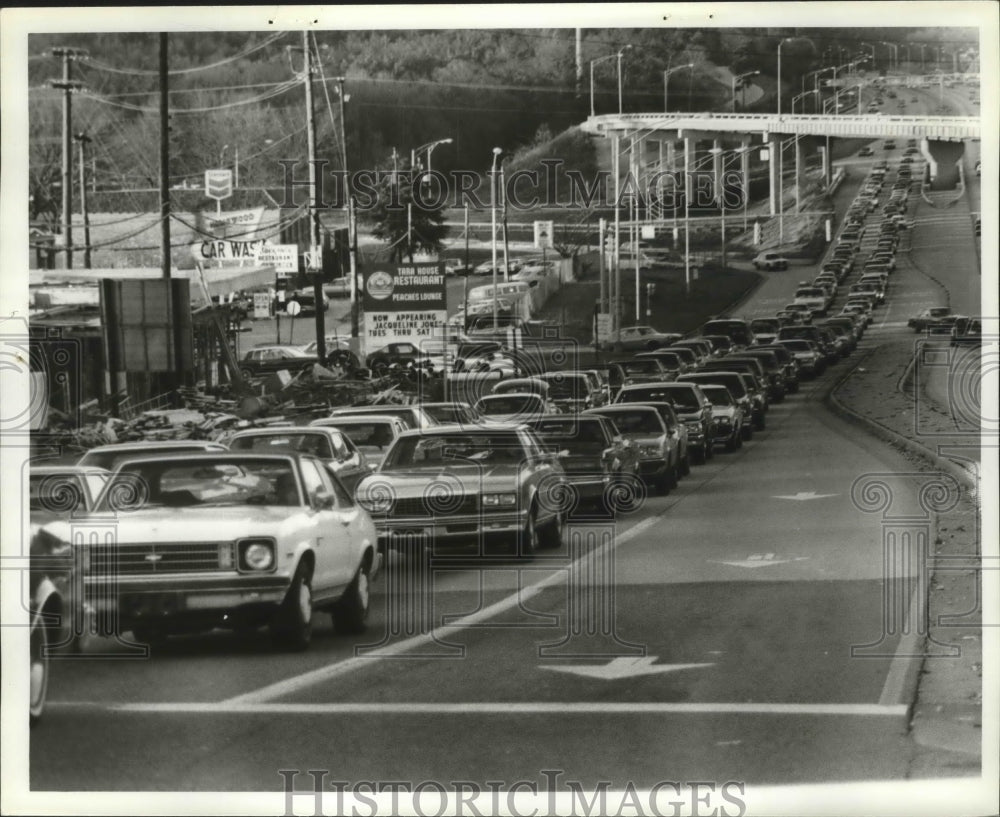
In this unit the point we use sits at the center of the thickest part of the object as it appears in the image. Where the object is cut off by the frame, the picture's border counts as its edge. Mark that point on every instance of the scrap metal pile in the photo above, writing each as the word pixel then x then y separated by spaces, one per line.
pixel 205 416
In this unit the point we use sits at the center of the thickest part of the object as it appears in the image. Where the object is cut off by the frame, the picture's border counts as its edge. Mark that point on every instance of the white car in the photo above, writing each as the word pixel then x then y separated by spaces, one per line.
pixel 770 261
pixel 228 540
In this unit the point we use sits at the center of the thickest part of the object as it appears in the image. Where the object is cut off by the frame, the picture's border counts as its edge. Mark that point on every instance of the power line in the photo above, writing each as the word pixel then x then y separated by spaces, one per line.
pixel 103 66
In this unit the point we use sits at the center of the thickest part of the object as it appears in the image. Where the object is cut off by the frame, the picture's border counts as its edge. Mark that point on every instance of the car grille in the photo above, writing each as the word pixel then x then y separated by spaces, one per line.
pixel 130 560
pixel 435 506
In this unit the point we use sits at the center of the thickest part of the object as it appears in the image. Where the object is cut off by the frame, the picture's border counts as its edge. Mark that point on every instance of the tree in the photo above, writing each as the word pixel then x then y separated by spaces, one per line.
pixel 407 213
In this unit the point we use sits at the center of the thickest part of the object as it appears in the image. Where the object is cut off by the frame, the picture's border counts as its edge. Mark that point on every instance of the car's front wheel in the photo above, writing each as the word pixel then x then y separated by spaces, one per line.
pixel 351 612
pixel 526 544
pixel 291 628
pixel 38 671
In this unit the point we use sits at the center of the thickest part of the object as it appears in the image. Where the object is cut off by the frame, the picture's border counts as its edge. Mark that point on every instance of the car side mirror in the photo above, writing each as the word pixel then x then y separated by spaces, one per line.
pixel 322 500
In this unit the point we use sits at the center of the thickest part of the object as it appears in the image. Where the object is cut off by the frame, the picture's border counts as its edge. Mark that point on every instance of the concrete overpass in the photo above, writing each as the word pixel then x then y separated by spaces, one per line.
pixel 942 140
pixel 657 126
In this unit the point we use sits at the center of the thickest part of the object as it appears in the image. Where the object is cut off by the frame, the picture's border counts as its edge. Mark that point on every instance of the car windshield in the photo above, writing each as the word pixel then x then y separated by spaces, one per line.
pixel 569 387
pixel 450 414
pixel 454 450
pixel 575 434
pixel 57 492
pixel 797 345
pixel 681 396
pixel 641 367
pixel 509 404
pixel 184 484
pixel 369 437
pixel 718 395
pixel 765 325
pixel 404 414
pixel 636 422
pixel 317 444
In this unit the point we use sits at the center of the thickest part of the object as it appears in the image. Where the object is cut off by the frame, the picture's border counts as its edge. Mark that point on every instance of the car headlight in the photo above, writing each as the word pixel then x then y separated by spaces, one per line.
pixel 499 500
pixel 723 421
pixel 256 555
pixel 650 451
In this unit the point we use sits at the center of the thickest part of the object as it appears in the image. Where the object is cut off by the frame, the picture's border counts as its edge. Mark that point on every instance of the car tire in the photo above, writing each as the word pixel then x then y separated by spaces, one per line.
pixel 38 671
pixel 734 441
pixel 686 465
pixel 664 483
pixel 552 538
pixel 760 423
pixel 351 612
pixel 747 432
pixel 291 628
pixel 246 374
pixel 701 455
pixel 756 266
pixel 526 542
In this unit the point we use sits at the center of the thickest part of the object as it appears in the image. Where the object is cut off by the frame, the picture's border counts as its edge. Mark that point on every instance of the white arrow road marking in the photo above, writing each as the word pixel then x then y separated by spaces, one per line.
pixel 801 496
pixel 761 560
pixel 624 667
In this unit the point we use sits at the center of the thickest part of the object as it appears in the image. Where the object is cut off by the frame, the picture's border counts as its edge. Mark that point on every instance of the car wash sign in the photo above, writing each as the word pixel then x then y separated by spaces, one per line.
pixel 405 302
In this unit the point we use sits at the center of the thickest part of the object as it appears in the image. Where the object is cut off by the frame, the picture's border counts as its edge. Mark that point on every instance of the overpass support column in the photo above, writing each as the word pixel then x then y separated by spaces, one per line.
pixel 745 172
pixel 773 146
pixel 687 205
pixel 717 172
pixel 827 164
pixel 799 169
pixel 943 158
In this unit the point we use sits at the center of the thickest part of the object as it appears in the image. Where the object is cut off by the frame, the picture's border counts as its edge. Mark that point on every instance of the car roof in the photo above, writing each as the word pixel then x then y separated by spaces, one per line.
pixel 82 470
pixel 148 445
pixel 464 428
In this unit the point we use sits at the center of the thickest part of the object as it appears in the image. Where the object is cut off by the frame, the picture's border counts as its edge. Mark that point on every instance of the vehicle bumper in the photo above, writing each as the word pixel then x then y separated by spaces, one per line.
pixel 137 599
pixel 456 531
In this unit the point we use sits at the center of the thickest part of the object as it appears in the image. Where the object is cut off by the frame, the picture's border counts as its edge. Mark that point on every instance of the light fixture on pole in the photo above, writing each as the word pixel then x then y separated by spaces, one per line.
pixel 738 79
pixel 621 51
pixel 429 147
pixel 787 39
pixel 592 64
pixel 667 73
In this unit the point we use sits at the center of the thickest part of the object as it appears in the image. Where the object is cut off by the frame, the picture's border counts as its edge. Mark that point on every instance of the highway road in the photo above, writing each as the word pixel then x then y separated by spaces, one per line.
pixel 733 631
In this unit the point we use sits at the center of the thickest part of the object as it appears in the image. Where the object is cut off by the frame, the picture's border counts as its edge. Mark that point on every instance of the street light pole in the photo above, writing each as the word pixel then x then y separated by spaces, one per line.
pixel 737 79
pixel 779 72
pixel 621 51
pixel 592 64
pixel 666 74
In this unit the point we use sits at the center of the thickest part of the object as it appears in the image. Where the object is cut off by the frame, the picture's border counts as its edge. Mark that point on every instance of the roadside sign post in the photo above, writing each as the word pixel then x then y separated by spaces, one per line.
pixel 218 186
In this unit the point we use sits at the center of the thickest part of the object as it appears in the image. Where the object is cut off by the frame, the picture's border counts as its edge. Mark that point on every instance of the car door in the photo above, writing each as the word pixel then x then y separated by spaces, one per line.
pixel 333 535
pixel 350 463
pixel 540 468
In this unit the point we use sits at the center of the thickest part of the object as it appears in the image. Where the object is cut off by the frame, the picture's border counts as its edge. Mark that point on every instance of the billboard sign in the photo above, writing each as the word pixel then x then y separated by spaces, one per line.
pixel 218 184
pixel 405 302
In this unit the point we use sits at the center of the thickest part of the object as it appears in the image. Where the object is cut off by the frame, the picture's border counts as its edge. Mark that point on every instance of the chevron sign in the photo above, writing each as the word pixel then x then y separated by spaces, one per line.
pixel 218 184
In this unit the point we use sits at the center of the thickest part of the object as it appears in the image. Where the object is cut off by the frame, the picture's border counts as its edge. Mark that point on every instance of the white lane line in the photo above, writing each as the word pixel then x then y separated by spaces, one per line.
pixel 291 685
pixel 479 708
pixel 907 651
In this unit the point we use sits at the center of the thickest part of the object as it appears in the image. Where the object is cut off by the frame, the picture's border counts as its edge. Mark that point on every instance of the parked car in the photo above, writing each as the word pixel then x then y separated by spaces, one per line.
pixel 230 540
pixel 573 391
pixel 455 487
pixel 598 462
pixel 736 387
pixel 727 416
pixel 633 338
pixel 936 317
pixel 263 360
pixel 657 449
pixel 328 444
pixel 807 355
pixel 866 150
pixel 738 331
pixel 371 434
pixel 770 260
pixel 413 415
pixel 692 408
pixel 514 407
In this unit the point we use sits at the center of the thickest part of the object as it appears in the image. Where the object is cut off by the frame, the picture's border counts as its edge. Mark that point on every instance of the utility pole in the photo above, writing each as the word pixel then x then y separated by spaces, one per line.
pixel 82 139
pixel 164 162
pixel 352 227
pixel 67 85
pixel 315 253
